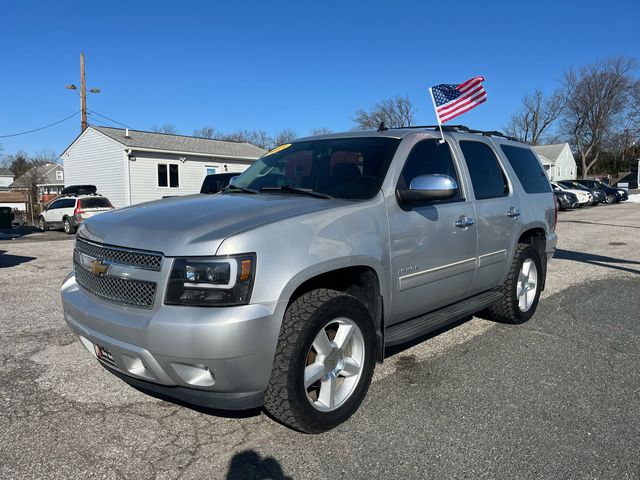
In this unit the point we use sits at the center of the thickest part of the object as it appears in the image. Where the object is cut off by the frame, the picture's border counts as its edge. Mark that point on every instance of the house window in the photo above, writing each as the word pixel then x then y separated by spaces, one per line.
pixel 168 175
pixel 59 175
pixel 211 170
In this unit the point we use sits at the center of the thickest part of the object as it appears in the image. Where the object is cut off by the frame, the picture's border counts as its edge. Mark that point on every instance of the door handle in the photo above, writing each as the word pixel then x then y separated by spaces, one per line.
pixel 464 222
pixel 514 212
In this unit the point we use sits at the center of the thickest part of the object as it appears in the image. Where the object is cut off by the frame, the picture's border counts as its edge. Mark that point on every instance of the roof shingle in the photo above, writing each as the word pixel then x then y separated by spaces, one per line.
pixel 181 143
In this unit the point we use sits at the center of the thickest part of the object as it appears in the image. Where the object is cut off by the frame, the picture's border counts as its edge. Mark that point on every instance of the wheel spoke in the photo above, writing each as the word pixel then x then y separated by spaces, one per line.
pixel 343 335
pixel 313 373
pixel 321 343
pixel 351 367
pixel 526 268
pixel 327 394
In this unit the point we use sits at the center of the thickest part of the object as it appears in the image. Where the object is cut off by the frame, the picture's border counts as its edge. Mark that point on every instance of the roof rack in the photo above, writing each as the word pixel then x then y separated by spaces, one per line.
pixel 465 129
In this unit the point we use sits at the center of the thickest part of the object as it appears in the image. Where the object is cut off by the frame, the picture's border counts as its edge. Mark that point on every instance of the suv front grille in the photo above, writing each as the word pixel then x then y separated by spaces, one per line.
pixel 136 293
pixel 121 256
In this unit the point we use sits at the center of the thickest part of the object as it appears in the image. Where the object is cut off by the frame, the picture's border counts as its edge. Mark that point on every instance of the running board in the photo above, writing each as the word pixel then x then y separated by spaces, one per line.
pixel 418 326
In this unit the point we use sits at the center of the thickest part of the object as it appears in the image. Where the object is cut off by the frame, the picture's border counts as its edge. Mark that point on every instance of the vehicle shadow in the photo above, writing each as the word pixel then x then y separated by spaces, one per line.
pixel 7 261
pixel 598 223
pixel 248 465
pixel 593 259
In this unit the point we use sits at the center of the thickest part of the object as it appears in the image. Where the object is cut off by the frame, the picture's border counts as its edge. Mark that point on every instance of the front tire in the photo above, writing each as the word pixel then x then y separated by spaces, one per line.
pixel 611 198
pixel 42 225
pixel 68 228
pixel 324 361
pixel 521 290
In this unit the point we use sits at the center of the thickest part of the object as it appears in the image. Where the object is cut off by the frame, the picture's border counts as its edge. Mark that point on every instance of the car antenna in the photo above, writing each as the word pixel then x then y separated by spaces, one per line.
pixel 382 127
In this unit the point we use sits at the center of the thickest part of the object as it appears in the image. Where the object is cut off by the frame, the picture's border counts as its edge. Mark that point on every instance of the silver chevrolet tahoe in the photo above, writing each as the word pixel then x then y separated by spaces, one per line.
pixel 284 290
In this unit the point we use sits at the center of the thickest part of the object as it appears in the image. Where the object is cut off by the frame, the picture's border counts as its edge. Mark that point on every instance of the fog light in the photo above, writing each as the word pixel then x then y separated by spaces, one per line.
pixel 197 375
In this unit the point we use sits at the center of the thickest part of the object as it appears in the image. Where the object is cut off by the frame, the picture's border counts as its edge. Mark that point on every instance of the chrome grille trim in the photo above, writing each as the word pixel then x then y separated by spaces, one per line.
pixel 134 293
pixel 122 256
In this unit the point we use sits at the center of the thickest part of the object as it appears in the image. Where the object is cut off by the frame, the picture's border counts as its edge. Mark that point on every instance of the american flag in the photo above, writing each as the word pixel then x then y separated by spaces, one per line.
pixel 454 100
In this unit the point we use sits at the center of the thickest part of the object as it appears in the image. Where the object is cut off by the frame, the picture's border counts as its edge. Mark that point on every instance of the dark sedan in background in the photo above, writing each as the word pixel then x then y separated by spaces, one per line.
pixel 566 200
pixel 598 194
pixel 613 195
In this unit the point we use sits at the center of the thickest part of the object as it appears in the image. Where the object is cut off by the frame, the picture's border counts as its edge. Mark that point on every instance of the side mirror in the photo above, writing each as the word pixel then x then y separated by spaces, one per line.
pixel 428 188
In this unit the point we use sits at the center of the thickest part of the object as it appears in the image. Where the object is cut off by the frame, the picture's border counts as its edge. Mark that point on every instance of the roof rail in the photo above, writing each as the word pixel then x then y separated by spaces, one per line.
pixel 465 129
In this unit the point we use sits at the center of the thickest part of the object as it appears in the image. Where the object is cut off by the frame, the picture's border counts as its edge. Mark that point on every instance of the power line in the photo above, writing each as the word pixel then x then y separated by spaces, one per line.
pixel 41 128
pixel 110 119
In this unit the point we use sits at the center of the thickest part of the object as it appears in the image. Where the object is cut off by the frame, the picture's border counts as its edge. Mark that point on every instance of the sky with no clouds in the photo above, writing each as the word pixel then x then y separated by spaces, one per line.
pixel 275 65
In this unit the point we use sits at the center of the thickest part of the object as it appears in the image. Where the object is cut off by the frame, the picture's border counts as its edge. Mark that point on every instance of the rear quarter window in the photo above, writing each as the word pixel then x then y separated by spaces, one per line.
pixel 527 168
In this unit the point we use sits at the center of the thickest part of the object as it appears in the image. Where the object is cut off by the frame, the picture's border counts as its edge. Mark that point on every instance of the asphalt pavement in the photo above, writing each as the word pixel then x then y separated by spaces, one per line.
pixel 558 397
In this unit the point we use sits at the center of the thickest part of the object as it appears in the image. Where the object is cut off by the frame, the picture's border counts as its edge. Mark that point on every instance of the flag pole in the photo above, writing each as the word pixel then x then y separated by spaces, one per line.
pixel 435 109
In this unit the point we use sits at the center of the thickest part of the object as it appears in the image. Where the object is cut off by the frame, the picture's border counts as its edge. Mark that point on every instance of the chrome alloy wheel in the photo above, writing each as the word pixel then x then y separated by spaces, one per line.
pixel 527 285
pixel 334 364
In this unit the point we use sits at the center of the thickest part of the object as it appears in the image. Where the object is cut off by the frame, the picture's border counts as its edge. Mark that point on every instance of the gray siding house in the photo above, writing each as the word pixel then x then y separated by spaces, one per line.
pixel 557 161
pixel 132 166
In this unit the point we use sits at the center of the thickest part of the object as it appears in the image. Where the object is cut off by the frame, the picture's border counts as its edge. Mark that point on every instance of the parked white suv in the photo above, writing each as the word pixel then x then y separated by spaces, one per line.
pixel 69 212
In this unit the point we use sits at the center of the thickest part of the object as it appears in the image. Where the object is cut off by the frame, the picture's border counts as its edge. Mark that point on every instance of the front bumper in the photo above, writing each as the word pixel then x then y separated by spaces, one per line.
pixel 213 357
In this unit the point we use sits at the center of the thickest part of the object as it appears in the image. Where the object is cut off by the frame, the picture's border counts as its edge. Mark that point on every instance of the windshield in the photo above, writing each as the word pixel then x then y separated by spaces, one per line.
pixel 351 168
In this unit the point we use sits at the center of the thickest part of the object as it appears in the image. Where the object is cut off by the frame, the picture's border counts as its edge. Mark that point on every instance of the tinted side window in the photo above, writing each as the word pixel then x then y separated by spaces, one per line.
pixel 428 157
pixel 56 204
pixel 527 168
pixel 68 203
pixel 488 179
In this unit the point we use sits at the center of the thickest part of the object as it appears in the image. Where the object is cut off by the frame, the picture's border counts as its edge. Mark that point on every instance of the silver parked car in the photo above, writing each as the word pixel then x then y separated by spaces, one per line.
pixel 285 289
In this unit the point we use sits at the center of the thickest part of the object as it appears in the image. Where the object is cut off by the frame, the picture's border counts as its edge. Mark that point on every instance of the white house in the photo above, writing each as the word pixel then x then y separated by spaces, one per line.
pixel 132 166
pixel 558 161
pixel 6 179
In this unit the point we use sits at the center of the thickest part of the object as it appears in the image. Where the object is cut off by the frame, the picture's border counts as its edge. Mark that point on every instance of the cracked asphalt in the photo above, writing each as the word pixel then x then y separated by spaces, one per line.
pixel 558 397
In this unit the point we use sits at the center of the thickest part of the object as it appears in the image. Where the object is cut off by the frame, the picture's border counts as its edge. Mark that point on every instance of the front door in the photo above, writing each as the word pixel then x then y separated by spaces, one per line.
pixel 433 260
pixel 497 210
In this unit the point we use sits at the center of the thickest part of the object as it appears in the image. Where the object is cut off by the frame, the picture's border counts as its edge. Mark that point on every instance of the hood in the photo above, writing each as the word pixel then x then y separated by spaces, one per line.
pixel 195 224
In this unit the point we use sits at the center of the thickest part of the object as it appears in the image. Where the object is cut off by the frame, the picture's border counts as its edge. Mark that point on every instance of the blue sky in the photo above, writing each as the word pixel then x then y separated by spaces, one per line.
pixel 276 65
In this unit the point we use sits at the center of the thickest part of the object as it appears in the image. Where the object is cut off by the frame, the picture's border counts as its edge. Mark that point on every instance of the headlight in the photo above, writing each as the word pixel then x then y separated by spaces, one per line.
pixel 621 192
pixel 211 282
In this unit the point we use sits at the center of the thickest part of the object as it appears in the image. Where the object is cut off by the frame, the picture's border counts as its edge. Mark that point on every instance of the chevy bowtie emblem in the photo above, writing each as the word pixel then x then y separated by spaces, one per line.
pixel 98 268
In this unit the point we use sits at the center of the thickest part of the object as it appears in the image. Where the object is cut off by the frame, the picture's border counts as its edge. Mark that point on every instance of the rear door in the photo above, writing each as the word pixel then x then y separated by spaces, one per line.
pixel 497 210
pixel 433 260
pixel 51 213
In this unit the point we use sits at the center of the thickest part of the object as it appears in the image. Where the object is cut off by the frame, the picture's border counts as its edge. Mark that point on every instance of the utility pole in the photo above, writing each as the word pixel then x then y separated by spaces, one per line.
pixel 83 94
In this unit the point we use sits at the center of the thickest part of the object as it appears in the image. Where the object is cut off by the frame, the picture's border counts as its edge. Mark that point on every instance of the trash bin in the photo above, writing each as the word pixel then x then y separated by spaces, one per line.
pixel 5 217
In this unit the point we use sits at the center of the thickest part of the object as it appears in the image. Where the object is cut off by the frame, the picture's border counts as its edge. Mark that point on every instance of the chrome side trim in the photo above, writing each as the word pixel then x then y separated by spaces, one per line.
pixel 491 258
pixel 434 274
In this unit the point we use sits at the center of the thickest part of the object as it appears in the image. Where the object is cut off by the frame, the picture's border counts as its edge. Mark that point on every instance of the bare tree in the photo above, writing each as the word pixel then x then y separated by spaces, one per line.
pixel 395 112
pixel 598 96
pixel 320 131
pixel 256 137
pixel 205 132
pixel 166 128
pixel 284 136
pixel 535 116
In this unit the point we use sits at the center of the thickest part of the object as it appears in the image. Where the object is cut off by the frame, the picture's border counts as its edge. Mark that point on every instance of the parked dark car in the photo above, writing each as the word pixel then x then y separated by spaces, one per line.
pixel 613 195
pixel 598 194
pixel 566 200
pixel 216 182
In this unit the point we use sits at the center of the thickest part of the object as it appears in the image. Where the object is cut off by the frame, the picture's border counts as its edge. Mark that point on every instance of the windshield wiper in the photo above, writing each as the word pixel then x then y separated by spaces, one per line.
pixel 240 189
pixel 299 191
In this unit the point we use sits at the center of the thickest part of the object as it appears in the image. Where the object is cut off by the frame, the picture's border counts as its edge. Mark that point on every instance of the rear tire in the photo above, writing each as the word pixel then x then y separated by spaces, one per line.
pixel 327 340
pixel 68 228
pixel 521 290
